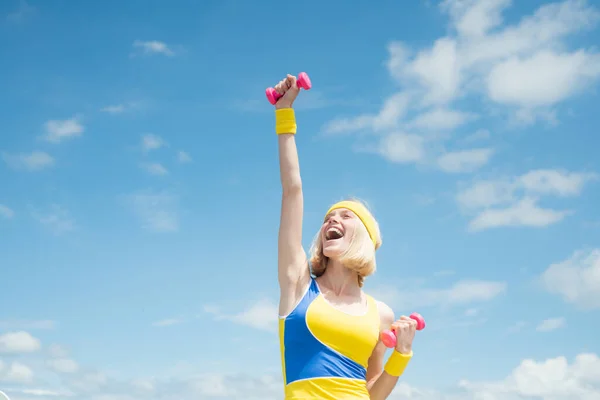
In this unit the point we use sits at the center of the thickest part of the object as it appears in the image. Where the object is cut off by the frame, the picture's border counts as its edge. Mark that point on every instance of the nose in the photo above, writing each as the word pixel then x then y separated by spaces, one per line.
pixel 334 218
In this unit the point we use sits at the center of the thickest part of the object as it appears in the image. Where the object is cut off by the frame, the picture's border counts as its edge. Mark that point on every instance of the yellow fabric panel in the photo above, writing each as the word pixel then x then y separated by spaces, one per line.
pixel 327 389
pixel 282 347
pixel 350 335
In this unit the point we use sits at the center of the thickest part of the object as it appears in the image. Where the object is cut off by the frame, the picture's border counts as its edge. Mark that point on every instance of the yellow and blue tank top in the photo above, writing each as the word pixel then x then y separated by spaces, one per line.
pixel 325 351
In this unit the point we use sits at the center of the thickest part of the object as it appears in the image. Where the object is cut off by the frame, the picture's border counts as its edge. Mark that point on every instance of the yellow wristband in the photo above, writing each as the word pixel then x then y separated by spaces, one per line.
pixel 397 362
pixel 285 121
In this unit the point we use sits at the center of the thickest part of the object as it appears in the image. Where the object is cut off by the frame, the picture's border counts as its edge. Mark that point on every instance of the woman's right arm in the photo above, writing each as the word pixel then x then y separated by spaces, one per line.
pixel 293 271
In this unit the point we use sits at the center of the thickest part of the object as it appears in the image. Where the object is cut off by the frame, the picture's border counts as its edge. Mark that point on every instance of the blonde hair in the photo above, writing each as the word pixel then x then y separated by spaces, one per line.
pixel 360 254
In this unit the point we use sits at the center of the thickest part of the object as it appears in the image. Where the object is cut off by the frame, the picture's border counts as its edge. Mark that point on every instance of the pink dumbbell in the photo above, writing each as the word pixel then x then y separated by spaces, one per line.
pixel 303 81
pixel 388 337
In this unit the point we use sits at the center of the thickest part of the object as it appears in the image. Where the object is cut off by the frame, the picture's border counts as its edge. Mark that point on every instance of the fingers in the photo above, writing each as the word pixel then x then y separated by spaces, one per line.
pixel 409 319
pixel 280 87
pixel 404 322
pixel 285 84
pixel 291 80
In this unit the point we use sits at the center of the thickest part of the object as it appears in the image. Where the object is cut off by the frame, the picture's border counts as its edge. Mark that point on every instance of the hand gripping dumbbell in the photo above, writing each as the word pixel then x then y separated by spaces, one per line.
pixel 388 337
pixel 303 81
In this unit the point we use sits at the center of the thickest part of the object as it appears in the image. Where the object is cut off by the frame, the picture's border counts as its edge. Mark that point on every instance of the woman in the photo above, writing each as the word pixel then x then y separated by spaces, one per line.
pixel 328 327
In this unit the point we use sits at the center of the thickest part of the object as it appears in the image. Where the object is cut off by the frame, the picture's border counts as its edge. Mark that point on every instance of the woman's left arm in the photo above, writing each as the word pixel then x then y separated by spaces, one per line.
pixel 380 383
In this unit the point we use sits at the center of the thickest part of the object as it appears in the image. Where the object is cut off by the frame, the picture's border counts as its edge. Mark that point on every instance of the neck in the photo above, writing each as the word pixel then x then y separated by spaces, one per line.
pixel 340 279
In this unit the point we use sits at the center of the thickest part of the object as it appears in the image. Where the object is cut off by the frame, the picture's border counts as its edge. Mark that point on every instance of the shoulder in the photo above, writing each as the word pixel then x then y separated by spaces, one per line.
pixel 386 314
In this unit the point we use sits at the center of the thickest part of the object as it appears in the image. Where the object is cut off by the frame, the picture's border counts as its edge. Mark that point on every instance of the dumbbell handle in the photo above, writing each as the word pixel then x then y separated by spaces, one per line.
pixel 388 337
pixel 303 81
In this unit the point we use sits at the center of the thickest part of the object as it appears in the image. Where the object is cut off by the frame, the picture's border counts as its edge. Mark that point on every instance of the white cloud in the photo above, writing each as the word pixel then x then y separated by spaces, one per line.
pixel 167 322
pixel 555 182
pixel 57 351
pixel 158 212
pixel 576 279
pixel 56 218
pixel 114 109
pixel 22 13
pixel 435 70
pixel 524 70
pixel 27 324
pixel 16 372
pixel 550 324
pixel 152 142
pixel 525 82
pixel 59 130
pixel 392 110
pixel 471 312
pixel 486 194
pixel 552 379
pixel 523 213
pixel 481 134
pixel 39 394
pixel 121 108
pixel 473 18
pixel 63 365
pixel 155 169
pixel 18 342
pixel 402 148
pixel 514 201
pixel 153 47
pixel 34 161
pixel 6 212
pixel 459 294
pixel 440 119
pixel 261 315
pixel 465 160
pixel 183 157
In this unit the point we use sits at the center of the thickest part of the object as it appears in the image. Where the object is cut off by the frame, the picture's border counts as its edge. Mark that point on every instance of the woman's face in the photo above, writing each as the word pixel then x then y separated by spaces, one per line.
pixel 337 231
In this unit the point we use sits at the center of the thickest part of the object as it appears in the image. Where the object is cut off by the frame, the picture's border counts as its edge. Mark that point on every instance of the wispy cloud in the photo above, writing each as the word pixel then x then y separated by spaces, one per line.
pixel 524 74
pixel 168 322
pixel 551 324
pixel 63 365
pixel 24 11
pixel 56 218
pixel 59 130
pixel 183 157
pixel 6 212
pixel 27 324
pixel 479 135
pixel 261 315
pixel 16 372
pixel 576 279
pixel 153 47
pixel 155 169
pixel 157 211
pixel 113 109
pixel 464 160
pixel 18 342
pixel 514 201
pixel 525 212
pixel 152 142
pixel 461 293
pixel 121 108
pixel 34 161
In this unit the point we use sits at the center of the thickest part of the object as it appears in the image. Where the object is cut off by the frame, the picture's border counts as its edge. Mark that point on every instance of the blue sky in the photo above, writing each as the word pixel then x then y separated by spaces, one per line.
pixel 139 195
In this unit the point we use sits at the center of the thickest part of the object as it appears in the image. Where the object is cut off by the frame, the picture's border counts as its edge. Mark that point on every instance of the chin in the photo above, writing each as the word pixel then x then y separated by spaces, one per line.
pixel 333 249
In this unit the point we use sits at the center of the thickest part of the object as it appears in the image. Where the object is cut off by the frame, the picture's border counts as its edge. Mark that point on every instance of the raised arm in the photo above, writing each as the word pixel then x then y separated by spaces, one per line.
pixel 293 269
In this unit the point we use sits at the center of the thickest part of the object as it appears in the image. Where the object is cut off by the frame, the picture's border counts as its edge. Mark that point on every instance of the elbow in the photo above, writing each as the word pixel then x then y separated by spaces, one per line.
pixel 292 187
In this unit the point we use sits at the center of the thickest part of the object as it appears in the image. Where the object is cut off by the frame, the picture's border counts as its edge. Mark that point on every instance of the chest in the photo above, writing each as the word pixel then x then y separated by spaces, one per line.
pixel 351 334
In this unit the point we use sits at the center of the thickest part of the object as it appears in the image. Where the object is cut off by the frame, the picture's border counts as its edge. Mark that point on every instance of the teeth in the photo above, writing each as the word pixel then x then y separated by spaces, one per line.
pixel 334 230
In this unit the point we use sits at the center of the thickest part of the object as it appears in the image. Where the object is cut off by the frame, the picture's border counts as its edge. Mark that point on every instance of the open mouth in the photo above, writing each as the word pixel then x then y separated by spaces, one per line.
pixel 334 233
